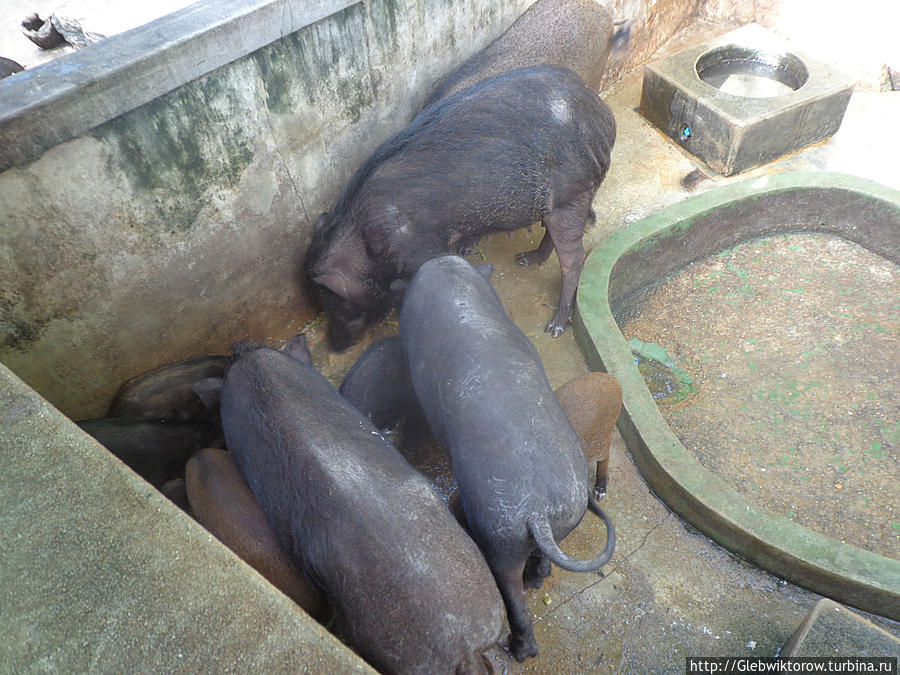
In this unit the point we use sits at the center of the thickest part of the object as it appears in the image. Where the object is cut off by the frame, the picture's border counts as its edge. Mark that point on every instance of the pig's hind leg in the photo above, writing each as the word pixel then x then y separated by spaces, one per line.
pixel 539 255
pixel 521 640
pixel 537 568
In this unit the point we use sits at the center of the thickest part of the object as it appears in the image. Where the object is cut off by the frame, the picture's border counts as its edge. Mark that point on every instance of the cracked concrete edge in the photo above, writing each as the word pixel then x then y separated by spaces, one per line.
pixel 100 573
pixel 810 559
pixel 61 99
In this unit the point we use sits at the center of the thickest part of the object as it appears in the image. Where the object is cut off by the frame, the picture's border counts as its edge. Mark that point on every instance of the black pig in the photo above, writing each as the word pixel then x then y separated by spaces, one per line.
pixel 378 385
pixel 532 144
pixel 572 33
pixel 169 391
pixel 409 590
pixel 157 449
pixel 522 474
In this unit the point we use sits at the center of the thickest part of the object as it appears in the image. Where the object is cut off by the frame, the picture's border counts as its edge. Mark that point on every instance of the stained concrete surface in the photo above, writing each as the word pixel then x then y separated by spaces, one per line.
pixel 99 573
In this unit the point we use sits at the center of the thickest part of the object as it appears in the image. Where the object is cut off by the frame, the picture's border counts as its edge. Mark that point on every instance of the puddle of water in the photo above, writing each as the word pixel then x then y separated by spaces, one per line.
pixel 791 343
pixel 754 86
pixel 666 381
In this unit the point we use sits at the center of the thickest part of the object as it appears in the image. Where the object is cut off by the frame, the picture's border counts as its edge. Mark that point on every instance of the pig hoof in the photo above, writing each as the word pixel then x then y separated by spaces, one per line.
pixel 554 329
pixel 522 648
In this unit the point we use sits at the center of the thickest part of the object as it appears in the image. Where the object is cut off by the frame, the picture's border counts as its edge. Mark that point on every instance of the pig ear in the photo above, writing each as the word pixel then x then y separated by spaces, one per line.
pixel 486 270
pixel 297 349
pixel 208 390
pixel 336 281
pixel 320 222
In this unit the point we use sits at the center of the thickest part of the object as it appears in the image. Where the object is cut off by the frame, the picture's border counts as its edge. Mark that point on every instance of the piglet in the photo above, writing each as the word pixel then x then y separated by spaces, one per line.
pixel 221 501
pixel 592 403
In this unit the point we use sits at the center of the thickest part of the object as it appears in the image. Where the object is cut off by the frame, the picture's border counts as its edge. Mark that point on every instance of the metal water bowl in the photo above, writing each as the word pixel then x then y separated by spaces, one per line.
pixel 744 99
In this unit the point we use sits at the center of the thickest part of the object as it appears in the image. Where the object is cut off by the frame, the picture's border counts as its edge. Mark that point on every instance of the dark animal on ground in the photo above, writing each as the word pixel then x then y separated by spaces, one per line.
pixel 169 392
pixel 157 449
pixel 408 589
pixel 532 144
pixel 522 475
pixel 378 385
pixel 573 33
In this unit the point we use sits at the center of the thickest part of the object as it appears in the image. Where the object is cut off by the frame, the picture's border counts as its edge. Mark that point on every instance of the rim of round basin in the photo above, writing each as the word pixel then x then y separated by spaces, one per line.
pixel 791 551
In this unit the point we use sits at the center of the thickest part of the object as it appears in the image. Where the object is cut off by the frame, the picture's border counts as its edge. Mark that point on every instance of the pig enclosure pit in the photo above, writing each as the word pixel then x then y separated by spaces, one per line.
pixel 109 543
pixel 625 265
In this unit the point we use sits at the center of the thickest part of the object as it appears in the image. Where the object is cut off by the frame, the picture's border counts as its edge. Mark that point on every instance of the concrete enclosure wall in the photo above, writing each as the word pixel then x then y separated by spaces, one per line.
pixel 177 227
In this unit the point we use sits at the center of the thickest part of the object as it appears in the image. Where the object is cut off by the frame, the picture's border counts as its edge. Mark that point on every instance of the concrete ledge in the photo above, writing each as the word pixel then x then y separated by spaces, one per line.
pixel 833 630
pixel 62 99
pixel 100 573
pixel 645 252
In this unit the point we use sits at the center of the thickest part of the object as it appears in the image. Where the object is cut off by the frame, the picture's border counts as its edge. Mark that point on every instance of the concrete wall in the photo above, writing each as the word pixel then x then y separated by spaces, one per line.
pixel 179 227
pixel 140 226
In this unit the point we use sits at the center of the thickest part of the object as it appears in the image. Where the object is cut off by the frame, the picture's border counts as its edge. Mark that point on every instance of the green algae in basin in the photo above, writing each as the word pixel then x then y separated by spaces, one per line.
pixel 638 256
pixel 665 380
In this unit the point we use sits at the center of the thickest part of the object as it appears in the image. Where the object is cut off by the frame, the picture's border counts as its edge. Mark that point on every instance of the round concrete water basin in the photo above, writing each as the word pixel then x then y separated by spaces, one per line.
pixel 646 252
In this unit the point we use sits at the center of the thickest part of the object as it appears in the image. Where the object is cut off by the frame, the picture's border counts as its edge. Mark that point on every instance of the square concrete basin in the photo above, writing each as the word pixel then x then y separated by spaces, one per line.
pixel 744 99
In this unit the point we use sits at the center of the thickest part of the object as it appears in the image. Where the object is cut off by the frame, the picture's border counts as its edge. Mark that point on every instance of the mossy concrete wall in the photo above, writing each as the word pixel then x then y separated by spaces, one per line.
pixel 179 227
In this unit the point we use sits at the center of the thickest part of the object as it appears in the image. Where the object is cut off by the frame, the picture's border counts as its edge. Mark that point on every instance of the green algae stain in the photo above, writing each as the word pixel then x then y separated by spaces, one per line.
pixel 666 381
pixel 175 148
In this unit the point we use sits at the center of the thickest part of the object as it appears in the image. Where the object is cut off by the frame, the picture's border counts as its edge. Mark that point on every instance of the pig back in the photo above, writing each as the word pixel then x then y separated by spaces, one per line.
pixel 482 386
pixel 365 527
pixel 572 33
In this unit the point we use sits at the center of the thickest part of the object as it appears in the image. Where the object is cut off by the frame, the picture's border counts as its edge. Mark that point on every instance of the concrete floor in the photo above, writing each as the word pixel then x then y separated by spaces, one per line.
pixel 669 592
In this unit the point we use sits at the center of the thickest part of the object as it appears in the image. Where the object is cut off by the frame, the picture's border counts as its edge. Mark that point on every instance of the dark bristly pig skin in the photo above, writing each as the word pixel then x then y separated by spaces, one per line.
pixel 522 475
pixel 529 145
pixel 409 590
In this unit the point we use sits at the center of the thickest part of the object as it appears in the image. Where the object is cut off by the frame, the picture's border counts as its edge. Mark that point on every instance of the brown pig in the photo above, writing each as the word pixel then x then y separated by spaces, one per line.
pixel 592 403
pixel 222 502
